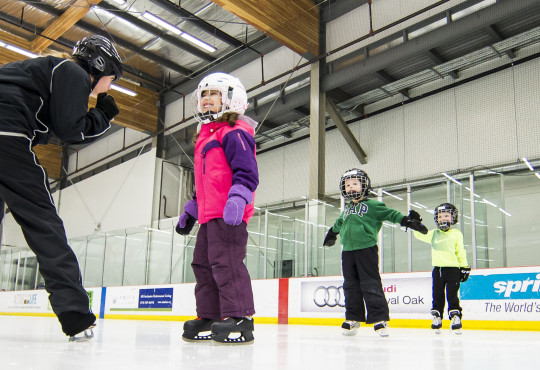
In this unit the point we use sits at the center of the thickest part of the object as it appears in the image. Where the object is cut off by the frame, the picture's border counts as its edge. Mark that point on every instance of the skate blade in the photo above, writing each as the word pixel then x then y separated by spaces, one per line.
pixel 83 336
pixel 236 339
pixel 437 331
pixel 198 337
pixel 456 331
pixel 349 333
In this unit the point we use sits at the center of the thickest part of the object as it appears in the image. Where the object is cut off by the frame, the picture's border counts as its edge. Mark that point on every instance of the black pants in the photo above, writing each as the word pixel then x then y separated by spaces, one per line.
pixel 363 285
pixel 24 187
pixel 446 278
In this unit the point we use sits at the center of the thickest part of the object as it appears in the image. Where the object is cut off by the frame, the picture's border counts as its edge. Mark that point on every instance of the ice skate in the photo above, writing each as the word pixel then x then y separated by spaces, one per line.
pixel 78 326
pixel 350 327
pixel 436 324
pixel 242 327
pixel 455 325
pixel 198 330
pixel 381 328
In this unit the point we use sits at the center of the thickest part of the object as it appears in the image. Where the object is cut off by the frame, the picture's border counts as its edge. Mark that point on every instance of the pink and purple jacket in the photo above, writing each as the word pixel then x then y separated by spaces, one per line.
pixel 224 156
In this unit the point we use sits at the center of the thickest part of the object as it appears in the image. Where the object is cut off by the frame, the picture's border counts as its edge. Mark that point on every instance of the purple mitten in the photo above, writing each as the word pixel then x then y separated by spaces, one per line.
pixel 188 217
pixel 233 212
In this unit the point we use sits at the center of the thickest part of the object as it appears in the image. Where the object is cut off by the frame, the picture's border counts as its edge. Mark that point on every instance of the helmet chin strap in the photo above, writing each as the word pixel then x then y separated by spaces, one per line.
pixel 444 226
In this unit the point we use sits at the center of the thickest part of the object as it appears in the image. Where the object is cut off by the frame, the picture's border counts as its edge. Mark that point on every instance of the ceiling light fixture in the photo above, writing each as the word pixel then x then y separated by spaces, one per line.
pixel 161 22
pixel 19 50
pixel 123 90
pixel 392 195
pixel 526 161
pixel 198 42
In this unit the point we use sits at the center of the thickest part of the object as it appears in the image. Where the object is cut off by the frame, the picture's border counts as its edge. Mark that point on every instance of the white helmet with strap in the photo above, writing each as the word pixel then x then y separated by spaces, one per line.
pixel 233 96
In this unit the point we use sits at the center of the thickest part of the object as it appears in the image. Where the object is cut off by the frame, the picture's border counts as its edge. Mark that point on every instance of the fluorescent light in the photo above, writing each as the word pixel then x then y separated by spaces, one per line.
pixel 490 203
pixel 2 44
pixel 503 211
pixel 526 161
pixel 198 42
pixel 392 195
pixel 123 90
pixel 451 178
pixel 20 51
pixel 120 2
pixel 421 205
pixel 415 206
pixel 469 189
pixel 472 9
pixel 537 174
pixel 162 23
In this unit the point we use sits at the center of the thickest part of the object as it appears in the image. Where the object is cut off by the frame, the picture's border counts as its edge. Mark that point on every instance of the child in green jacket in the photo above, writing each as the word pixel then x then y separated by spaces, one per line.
pixel 358 226
pixel 449 259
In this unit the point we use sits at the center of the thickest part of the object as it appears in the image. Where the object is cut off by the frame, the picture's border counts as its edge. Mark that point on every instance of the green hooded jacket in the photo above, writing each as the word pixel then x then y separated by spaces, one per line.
pixel 359 223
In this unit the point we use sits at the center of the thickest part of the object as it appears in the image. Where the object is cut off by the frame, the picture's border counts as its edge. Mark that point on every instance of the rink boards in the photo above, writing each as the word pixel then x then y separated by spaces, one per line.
pixel 504 299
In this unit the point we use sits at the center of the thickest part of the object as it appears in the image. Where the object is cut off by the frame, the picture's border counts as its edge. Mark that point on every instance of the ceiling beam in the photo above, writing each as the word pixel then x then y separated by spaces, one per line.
pixel 116 40
pixel 157 32
pixel 294 24
pixel 60 25
pixel 198 22
pixel 434 56
pixel 387 79
pixel 496 37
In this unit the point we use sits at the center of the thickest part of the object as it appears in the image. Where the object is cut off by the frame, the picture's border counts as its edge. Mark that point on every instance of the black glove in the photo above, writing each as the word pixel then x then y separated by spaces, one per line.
pixel 414 224
pixel 330 238
pixel 413 215
pixel 464 273
pixel 107 105
pixel 189 223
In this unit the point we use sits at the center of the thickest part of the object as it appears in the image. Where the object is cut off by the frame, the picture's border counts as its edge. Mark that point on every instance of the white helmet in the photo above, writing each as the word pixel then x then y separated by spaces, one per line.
pixel 233 96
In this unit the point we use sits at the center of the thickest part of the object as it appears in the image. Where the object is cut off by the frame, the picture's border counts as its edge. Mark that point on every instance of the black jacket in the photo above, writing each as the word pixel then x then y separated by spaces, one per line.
pixel 48 95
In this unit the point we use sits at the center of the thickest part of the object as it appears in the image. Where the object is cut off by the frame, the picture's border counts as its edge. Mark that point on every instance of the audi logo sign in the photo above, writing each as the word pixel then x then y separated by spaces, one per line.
pixel 330 296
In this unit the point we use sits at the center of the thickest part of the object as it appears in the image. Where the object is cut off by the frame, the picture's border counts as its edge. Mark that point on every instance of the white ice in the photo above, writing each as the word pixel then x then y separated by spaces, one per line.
pixel 38 343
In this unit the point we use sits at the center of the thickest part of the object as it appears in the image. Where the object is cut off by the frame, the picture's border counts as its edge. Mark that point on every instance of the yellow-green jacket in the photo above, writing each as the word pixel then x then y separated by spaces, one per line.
pixel 446 247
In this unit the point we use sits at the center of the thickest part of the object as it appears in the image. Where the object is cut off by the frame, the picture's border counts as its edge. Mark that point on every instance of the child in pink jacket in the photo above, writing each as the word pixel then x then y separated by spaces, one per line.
pixel 226 177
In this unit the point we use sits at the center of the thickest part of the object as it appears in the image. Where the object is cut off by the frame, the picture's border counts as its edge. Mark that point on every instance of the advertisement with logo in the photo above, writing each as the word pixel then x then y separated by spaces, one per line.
pixel 405 293
pixel 140 299
pixel 503 294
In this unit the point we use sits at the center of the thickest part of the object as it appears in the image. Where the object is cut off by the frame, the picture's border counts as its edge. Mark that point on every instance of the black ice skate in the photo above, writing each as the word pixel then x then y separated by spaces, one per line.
pixel 350 327
pixel 78 326
pixel 198 330
pixel 381 328
pixel 436 324
pixel 455 325
pixel 241 326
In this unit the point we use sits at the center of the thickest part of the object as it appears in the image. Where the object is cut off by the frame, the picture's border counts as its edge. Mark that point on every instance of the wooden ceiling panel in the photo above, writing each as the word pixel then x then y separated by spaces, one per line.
pixel 294 23
pixel 61 24
pixel 50 158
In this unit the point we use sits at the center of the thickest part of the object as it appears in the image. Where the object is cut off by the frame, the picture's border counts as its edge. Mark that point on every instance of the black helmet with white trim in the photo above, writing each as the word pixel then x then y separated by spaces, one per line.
pixel 445 207
pixel 98 56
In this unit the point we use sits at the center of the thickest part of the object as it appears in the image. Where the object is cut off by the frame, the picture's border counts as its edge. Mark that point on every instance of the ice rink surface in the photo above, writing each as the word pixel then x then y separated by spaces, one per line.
pixel 38 343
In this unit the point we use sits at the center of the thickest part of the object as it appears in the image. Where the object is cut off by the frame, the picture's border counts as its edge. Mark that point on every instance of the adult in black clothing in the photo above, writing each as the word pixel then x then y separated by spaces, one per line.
pixel 39 98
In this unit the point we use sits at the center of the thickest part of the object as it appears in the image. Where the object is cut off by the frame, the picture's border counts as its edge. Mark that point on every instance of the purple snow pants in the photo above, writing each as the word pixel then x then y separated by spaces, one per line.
pixel 223 286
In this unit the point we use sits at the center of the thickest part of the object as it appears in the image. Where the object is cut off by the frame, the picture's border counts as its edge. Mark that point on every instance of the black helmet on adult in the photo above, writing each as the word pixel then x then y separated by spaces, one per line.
pixel 98 56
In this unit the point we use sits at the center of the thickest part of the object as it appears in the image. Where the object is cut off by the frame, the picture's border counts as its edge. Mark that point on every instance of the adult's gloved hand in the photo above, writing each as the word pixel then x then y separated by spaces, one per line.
pixel 188 218
pixel 330 238
pixel 464 273
pixel 233 212
pixel 413 215
pixel 414 224
pixel 107 105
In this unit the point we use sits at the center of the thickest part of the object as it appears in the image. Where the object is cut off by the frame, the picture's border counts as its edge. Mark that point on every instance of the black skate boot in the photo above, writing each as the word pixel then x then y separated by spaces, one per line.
pixel 78 326
pixel 350 327
pixel 381 328
pixel 242 326
pixel 198 330
pixel 436 324
pixel 455 325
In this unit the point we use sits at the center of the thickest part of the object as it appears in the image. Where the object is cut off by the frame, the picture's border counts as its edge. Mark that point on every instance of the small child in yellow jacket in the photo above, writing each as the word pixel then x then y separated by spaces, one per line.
pixel 449 259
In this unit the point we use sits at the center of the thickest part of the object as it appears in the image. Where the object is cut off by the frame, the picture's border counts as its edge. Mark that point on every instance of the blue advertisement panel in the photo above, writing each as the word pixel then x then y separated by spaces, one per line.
pixel 159 298
pixel 501 286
